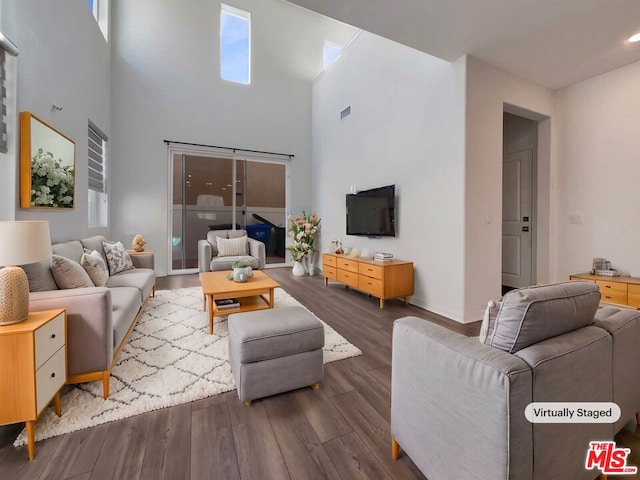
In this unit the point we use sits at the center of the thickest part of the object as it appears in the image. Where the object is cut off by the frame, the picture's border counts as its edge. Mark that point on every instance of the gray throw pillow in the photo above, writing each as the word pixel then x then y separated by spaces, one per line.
pixel 95 267
pixel 40 276
pixel 117 257
pixel 530 315
pixel 69 274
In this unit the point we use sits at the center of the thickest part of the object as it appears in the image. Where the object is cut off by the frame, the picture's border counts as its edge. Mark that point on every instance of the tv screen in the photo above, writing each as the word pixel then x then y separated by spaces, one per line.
pixel 372 212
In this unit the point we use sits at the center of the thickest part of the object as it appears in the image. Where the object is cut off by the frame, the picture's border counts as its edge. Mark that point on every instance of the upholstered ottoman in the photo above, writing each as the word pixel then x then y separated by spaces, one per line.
pixel 274 351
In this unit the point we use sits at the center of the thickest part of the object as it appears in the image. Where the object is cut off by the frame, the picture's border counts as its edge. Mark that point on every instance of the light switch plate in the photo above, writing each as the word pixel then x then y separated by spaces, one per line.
pixel 575 218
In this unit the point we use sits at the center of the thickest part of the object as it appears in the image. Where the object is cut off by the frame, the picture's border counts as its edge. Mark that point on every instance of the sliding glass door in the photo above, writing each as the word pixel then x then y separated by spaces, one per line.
pixel 214 192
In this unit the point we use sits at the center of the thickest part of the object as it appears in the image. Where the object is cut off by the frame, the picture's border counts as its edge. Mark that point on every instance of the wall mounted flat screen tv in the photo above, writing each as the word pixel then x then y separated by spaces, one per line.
pixel 371 213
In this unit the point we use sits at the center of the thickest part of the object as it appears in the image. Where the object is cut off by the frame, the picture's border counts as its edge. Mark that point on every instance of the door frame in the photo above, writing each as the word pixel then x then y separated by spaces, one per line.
pixel 219 153
pixel 542 263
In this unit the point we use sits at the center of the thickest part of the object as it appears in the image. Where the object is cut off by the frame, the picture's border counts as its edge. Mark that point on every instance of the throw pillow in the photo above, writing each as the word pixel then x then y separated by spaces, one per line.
pixel 530 315
pixel 95 267
pixel 117 257
pixel 69 274
pixel 40 276
pixel 489 321
pixel 228 247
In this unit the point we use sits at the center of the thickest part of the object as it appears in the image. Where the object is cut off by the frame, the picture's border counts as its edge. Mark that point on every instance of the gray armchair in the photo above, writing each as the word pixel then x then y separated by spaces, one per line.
pixel 209 259
pixel 457 404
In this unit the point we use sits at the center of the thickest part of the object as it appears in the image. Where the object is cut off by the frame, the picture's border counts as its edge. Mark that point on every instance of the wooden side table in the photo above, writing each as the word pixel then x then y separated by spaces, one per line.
pixel 144 252
pixel 144 259
pixel 33 368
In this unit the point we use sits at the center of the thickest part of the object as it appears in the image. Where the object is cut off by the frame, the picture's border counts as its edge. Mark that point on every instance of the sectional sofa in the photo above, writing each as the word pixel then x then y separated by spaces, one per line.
pixel 99 319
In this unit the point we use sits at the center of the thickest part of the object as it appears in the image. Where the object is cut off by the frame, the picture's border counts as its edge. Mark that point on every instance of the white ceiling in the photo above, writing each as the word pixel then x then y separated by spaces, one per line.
pixel 551 42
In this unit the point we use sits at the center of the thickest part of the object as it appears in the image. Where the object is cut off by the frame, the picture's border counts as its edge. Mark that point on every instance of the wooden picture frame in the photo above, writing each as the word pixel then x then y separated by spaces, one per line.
pixel 47 166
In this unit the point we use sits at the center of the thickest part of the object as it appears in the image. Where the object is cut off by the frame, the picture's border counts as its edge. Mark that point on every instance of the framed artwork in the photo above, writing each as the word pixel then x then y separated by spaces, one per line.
pixel 47 165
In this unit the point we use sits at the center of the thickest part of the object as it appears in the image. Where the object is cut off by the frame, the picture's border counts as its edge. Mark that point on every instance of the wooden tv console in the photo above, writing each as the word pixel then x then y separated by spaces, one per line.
pixel 383 280
pixel 623 291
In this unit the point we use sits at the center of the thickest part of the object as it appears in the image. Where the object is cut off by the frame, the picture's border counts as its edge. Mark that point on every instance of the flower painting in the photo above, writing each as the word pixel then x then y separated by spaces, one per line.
pixel 47 165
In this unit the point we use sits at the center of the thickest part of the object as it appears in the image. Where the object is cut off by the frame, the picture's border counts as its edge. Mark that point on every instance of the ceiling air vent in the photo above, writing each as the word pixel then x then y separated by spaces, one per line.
pixel 346 112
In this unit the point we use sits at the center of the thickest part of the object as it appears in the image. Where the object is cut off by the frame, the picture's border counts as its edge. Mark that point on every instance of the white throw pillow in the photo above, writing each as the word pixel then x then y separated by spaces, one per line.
pixel 95 267
pixel 117 257
pixel 69 274
pixel 232 247
pixel 489 321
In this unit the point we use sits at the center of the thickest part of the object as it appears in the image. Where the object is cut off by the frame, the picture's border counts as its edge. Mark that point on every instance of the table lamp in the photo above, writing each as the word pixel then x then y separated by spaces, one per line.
pixel 21 243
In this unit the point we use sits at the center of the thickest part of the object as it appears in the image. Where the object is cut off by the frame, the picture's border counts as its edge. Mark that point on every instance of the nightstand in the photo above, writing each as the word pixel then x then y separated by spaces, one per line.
pixel 33 368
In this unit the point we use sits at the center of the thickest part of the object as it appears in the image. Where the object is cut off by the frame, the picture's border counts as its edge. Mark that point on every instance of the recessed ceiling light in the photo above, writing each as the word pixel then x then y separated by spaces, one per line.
pixel 634 38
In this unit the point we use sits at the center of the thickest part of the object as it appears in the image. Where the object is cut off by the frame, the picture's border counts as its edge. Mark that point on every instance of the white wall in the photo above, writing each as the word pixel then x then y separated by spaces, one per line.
pixel 63 59
pixel 407 128
pixel 597 127
pixel 488 89
pixel 166 85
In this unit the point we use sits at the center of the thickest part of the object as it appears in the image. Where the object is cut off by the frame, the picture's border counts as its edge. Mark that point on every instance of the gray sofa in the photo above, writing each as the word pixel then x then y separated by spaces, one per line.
pixel 457 404
pixel 209 259
pixel 99 319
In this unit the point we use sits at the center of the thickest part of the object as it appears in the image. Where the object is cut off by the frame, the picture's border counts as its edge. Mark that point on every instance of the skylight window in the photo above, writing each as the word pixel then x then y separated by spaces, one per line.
pixel 235 44
pixel 93 7
pixel 330 54
pixel 100 11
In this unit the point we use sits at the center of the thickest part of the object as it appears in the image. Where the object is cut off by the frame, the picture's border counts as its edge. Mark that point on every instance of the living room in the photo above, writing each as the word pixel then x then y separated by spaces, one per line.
pixel 130 88
pixel 430 126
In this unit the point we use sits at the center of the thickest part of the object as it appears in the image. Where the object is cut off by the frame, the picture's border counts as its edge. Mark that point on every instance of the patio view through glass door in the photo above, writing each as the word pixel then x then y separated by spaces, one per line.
pixel 220 193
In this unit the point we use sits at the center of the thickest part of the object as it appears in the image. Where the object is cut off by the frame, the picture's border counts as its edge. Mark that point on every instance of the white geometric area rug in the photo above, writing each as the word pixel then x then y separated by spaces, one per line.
pixel 169 359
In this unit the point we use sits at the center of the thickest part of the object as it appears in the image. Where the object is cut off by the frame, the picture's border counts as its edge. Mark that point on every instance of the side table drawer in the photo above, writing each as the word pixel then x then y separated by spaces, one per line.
pixel 49 379
pixel 348 278
pixel 49 338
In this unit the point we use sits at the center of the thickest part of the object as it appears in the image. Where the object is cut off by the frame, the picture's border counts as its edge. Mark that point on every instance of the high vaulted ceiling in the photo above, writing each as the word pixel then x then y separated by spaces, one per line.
pixel 551 42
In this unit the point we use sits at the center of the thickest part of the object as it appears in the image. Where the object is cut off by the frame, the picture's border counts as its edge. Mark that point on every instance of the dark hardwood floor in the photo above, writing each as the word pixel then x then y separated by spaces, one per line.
pixel 340 431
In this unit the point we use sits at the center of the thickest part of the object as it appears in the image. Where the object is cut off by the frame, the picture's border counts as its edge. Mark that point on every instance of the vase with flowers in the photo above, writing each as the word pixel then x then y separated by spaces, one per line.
pixel 302 230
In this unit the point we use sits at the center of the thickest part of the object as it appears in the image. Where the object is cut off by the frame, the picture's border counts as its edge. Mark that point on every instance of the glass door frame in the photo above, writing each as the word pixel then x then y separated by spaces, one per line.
pixel 219 153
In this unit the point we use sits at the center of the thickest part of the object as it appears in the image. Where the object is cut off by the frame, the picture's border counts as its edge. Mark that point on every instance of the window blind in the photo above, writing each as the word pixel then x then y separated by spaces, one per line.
pixel 3 104
pixel 96 159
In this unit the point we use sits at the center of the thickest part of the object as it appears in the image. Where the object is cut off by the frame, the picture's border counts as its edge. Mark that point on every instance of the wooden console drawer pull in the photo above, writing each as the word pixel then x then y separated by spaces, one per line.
pixel 607 286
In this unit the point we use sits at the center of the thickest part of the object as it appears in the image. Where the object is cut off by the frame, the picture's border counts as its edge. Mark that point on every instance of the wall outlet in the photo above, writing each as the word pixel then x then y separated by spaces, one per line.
pixel 575 218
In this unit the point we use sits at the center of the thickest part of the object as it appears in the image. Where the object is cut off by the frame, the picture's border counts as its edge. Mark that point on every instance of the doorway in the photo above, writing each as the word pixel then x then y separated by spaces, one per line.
pixel 519 194
pixel 210 191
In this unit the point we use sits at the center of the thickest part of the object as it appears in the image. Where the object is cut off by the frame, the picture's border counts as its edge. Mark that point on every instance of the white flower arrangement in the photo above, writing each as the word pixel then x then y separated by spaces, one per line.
pixel 51 182
pixel 302 230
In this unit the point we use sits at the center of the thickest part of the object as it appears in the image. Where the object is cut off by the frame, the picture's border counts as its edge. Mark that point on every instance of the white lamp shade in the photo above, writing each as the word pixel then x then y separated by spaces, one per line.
pixel 24 242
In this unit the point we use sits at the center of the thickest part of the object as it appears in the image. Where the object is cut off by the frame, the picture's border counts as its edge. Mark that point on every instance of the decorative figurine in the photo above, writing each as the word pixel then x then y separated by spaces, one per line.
pixel 337 245
pixel 138 243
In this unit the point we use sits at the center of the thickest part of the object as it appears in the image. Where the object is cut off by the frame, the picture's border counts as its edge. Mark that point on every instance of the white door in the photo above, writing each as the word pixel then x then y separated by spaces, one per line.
pixel 517 221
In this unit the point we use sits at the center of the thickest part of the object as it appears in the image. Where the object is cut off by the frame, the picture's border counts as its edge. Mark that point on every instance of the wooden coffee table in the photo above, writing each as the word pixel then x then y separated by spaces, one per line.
pixel 254 294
